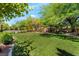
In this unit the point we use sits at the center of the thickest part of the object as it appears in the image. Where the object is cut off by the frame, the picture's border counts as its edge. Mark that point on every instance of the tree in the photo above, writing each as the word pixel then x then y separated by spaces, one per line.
pixel 29 24
pixel 6 26
pixel 12 10
pixel 55 13
pixel 72 21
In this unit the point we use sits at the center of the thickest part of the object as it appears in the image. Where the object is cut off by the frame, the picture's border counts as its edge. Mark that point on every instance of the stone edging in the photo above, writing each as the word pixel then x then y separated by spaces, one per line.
pixel 10 52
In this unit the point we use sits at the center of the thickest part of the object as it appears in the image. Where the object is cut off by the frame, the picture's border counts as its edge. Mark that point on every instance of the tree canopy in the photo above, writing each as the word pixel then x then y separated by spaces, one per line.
pixel 29 24
pixel 11 10
pixel 54 13
pixel 57 13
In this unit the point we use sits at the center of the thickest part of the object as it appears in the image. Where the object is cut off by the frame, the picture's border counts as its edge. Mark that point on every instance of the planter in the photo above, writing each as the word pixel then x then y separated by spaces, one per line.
pixel 6 49
pixel 2 47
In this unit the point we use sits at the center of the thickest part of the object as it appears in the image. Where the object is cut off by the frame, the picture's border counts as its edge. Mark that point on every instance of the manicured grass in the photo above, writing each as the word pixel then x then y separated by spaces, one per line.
pixel 49 45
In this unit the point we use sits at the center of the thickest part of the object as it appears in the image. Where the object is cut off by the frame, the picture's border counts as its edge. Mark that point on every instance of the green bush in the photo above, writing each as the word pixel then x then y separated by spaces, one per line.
pixel 22 48
pixel 7 39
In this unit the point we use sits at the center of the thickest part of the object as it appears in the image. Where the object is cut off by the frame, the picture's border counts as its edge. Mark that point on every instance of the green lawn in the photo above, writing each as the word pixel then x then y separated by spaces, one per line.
pixel 50 45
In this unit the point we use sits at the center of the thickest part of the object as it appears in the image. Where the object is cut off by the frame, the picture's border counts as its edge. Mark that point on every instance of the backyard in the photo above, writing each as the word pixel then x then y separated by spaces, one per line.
pixel 49 29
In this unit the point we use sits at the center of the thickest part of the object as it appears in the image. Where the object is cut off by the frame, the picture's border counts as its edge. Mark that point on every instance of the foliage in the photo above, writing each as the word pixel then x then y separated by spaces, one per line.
pixel 1 35
pixel 7 39
pixel 29 24
pixel 22 48
pixel 55 13
pixel 6 26
pixel 12 10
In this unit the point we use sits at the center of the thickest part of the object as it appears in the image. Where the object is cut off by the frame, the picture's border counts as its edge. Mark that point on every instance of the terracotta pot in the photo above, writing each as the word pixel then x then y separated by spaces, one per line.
pixel 2 47
pixel 8 46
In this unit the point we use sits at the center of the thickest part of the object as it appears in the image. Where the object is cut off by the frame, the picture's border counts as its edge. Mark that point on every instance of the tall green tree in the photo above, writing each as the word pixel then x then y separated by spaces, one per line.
pixel 6 26
pixel 29 24
pixel 58 12
pixel 12 10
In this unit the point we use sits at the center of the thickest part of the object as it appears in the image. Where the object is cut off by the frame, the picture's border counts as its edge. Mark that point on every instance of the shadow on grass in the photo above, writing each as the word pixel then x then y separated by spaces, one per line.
pixel 63 53
pixel 61 36
pixel 66 37
pixel 46 35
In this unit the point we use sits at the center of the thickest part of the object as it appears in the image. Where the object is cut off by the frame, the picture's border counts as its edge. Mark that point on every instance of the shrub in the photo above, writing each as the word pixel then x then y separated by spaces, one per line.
pixel 7 39
pixel 22 48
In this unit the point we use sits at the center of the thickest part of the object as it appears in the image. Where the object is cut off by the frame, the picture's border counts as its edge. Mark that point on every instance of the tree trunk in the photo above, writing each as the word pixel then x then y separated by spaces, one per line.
pixel 72 21
pixel 50 28
pixel 1 28
pixel 73 28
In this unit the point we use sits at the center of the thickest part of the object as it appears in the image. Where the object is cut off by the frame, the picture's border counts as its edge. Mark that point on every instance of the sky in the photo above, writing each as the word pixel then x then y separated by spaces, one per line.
pixel 32 13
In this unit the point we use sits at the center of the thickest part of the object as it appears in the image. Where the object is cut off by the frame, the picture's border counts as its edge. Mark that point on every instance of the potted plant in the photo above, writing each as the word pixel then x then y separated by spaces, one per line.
pixel 7 39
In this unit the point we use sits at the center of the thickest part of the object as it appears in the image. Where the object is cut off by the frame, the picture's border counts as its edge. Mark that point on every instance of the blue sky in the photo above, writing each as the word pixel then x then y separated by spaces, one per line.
pixel 33 13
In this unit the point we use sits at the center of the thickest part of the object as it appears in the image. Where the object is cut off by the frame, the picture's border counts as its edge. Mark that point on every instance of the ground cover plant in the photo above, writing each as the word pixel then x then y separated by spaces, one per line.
pixel 22 48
